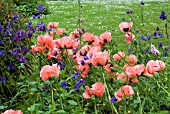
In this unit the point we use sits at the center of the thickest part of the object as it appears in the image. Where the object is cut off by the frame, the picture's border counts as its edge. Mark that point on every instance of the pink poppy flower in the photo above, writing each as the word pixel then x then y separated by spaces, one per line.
pixel 75 34
pixel 105 37
pixel 123 76
pixel 53 25
pixel 48 39
pixel 154 50
pixel 37 49
pixel 13 112
pixel 48 71
pixel 135 71
pixel 119 56
pixel 65 42
pixel 124 91
pixel 131 59
pixel 154 66
pixel 40 40
pixel 89 37
pixel 100 58
pixel 60 31
pixel 108 66
pixel 97 89
pixel 125 26
pixel 129 37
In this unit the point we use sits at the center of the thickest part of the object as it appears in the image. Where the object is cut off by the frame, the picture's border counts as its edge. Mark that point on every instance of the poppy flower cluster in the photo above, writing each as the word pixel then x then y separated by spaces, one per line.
pixel 91 54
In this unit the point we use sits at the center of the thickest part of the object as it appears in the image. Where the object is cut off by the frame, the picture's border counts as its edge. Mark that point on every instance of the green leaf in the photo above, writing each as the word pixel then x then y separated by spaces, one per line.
pixel 2 107
pixel 60 111
pixel 72 102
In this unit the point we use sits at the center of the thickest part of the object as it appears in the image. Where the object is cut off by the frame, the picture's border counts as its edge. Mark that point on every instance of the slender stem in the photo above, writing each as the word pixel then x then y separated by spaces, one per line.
pixel 124 105
pixel 166 28
pixel 112 105
pixel 95 106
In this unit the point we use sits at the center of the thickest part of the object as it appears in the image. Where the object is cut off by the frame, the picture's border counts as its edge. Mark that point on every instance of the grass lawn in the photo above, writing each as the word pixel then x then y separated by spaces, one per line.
pixel 99 17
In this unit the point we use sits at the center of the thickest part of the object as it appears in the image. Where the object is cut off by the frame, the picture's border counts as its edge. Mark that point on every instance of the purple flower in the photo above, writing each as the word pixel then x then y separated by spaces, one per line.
pixel 1 28
pixel 29 24
pixel 15 52
pixel 163 16
pixel 15 17
pixel 29 33
pixel 142 3
pixel 130 50
pixel 2 42
pixel 157 28
pixel 2 53
pixel 123 19
pixel 41 27
pixel 154 50
pixel 129 12
pixel 165 49
pixel 8 32
pixel 46 87
pixel 74 76
pixel 148 37
pixel 3 79
pixel 25 50
pixel 146 51
pixel 79 83
pixel 19 36
pixel 143 38
pixel 64 85
pixel 160 45
pixel 165 54
pixel 160 34
pixel 137 31
pixel 22 59
pixel 11 67
pixel 113 99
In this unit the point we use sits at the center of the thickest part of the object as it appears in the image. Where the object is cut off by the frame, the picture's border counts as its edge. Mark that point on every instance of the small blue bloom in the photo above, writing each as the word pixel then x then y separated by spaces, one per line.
pixel 2 42
pixel 130 50
pixel 129 12
pixel 160 45
pixel 11 67
pixel 165 54
pixel 163 16
pixel 79 83
pixel 123 19
pixel 2 53
pixel 113 99
pixel 29 24
pixel 146 51
pixel 15 17
pixel 15 52
pixel 157 28
pixel 137 31
pixel 3 79
pixel 142 3
pixel 143 38
pixel 64 85
pixel 148 37
pixel 165 49
pixel 22 59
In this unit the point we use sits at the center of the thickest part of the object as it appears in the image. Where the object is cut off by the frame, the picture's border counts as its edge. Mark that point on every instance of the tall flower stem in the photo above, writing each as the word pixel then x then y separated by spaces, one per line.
pixel 52 98
pixel 107 90
pixel 167 35
pixel 79 20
